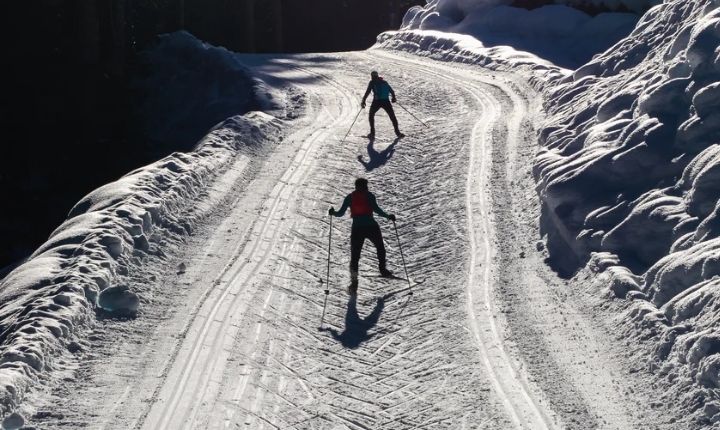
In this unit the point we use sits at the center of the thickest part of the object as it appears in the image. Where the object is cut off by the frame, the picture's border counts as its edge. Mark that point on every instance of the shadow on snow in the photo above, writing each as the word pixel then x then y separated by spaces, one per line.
pixel 377 159
pixel 356 328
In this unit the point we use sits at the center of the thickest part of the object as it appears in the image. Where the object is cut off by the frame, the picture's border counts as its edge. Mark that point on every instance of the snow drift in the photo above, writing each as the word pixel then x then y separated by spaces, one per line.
pixel 49 301
pixel 629 172
pixel 558 33
pixel 185 86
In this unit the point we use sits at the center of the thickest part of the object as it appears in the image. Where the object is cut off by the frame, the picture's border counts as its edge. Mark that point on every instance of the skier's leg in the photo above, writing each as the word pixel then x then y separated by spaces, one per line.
pixel 375 237
pixel 391 113
pixel 374 107
pixel 356 243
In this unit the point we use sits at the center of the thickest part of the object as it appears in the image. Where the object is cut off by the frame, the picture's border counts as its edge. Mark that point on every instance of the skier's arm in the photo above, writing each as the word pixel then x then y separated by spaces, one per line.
pixel 344 207
pixel 367 93
pixel 392 92
pixel 375 207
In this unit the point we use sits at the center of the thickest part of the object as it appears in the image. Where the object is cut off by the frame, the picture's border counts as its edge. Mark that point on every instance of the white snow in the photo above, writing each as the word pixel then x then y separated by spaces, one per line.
pixel 188 86
pixel 628 170
pixel 558 33
pixel 628 173
pixel 13 421
pixel 52 297
pixel 467 49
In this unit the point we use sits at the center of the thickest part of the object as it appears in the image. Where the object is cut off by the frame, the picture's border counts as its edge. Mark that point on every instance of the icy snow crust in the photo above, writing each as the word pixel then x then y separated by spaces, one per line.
pixel 629 175
pixel 50 300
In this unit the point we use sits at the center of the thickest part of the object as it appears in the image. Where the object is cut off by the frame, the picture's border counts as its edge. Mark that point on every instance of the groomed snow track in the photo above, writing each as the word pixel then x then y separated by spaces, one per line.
pixel 245 349
pixel 253 355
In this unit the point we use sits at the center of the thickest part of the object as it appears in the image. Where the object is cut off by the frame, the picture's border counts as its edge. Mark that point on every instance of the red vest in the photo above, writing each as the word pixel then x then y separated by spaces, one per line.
pixel 360 204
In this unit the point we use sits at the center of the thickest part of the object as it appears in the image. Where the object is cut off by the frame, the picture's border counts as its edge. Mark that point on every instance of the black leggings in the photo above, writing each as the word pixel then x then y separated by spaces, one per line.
pixel 384 104
pixel 357 238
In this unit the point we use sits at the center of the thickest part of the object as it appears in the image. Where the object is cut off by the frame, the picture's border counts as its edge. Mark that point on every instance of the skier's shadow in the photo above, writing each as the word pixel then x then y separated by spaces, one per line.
pixel 356 328
pixel 377 159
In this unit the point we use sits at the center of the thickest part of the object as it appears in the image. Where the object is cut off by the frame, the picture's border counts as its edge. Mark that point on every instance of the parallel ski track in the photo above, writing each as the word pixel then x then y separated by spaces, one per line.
pixel 402 373
pixel 508 381
pixel 384 388
pixel 181 408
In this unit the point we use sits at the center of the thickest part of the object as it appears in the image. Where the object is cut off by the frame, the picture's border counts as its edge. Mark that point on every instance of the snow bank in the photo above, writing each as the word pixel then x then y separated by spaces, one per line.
pixel 629 174
pixel 50 300
pixel 185 86
pixel 628 170
pixel 466 49
pixel 55 294
pixel 557 33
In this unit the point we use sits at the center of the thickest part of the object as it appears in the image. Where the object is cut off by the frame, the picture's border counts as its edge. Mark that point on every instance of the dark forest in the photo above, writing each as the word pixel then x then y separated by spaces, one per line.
pixel 66 106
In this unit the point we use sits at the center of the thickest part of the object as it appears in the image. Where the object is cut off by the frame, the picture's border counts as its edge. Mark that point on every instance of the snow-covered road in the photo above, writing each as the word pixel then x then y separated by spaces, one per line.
pixel 479 344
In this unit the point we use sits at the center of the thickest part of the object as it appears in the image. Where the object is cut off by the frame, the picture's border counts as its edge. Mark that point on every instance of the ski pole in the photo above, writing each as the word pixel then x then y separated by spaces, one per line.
pixel 327 283
pixel 411 114
pixel 403 259
pixel 351 126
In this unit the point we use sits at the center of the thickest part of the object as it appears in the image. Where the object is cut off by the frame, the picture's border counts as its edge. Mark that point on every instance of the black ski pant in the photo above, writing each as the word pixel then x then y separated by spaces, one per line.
pixel 376 106
pixel 357 238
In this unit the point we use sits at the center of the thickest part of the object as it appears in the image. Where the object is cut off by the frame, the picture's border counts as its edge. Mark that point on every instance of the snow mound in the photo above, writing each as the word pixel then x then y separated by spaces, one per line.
pixel 629 175
pixel 466 49
pixel 13 421
pixel 187 86
pixel 560 34
pixel 48 301
pixel 629 166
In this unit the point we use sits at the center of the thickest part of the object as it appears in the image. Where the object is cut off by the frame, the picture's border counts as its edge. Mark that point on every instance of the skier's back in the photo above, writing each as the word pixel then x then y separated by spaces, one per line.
pixel 362 204
pixel 382 93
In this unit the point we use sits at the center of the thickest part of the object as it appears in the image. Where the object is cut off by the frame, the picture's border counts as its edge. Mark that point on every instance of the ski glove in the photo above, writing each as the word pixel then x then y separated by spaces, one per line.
pixel 331 211
pixel 362 105
pixel 391 218
pixel 394 100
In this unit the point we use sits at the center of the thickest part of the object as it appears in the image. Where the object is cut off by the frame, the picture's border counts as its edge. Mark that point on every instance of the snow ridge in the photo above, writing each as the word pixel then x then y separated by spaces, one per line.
pixel 628 172
pixel 628 175
pixel 51 299
pixel 466 49
pixel 562 34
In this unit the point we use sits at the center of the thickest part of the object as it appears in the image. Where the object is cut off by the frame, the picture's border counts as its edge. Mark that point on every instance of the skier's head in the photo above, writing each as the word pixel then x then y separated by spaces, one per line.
pixel 361 184
pixel 374 74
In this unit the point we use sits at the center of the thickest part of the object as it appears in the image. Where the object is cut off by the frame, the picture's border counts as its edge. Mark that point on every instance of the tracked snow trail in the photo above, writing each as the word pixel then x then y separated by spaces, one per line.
pixel 381 363
pixel 244 348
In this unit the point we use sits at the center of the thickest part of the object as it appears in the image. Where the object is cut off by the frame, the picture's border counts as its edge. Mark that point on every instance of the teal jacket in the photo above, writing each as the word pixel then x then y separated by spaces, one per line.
pixel 362 220
pixel 380 88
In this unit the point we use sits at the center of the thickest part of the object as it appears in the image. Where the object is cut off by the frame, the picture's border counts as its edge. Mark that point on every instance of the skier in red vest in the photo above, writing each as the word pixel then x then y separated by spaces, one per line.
pixel 362 204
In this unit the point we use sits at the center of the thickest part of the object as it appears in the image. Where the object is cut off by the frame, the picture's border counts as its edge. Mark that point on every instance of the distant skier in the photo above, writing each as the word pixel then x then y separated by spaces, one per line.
pixel 362 204
pixel 382 93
